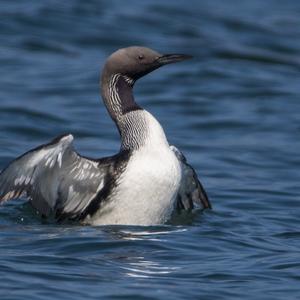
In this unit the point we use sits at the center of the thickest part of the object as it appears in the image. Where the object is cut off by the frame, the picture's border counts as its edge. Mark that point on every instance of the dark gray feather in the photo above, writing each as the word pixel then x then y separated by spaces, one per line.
pixel 191 191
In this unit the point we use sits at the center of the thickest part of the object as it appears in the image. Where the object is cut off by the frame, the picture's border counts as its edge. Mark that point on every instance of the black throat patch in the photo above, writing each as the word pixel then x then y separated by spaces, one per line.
pixel 124 90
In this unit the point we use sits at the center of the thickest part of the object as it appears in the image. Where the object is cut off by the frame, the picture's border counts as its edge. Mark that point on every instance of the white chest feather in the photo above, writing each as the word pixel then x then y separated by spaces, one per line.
pixel 148 187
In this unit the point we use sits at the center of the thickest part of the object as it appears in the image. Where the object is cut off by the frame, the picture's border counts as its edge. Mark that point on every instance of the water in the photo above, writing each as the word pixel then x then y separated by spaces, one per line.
pixel 234 110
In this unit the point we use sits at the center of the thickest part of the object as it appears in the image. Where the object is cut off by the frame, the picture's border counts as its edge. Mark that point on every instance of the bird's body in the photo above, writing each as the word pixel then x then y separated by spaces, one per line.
pixel 140 185
pixel 148 186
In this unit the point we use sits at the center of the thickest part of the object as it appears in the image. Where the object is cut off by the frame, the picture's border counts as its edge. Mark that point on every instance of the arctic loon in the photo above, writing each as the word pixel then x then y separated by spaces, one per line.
pixel 143 184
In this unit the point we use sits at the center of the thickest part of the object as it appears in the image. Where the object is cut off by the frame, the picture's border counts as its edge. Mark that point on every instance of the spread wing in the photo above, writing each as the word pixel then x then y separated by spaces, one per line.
pixel 55 178
pixel 191 191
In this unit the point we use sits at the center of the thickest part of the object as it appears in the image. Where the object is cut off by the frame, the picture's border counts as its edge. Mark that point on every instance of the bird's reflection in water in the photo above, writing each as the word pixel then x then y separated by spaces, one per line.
pixel 142 233
pixel 143 260
pixel 144 268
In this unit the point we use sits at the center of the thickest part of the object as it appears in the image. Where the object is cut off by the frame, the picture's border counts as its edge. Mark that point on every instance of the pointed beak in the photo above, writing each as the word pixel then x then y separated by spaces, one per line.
pixel 172 58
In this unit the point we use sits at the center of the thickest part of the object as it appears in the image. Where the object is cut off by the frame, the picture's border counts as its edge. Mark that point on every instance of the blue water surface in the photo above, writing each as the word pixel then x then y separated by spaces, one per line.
pixel 234 110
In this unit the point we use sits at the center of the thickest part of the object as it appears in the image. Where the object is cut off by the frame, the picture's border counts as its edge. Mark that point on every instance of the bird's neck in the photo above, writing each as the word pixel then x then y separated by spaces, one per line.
pixel 137 127
pixel 117 94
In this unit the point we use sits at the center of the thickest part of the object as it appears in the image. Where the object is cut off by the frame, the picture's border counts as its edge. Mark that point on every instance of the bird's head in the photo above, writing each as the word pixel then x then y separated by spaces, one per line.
pixel 135 62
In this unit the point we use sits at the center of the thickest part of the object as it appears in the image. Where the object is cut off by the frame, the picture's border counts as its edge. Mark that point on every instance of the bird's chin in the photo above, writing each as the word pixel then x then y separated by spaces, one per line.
pixel 145 72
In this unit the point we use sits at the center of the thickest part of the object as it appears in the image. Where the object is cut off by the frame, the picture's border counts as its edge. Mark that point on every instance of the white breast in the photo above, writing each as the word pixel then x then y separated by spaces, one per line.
pixel 147 189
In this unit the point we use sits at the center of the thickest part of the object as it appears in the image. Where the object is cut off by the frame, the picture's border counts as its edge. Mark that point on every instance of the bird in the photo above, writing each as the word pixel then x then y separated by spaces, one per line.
pixel 143 184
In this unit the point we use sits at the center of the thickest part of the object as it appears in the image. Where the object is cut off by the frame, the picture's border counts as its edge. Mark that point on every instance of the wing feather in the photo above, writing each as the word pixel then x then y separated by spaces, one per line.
pixel 191 191
pixel 54 177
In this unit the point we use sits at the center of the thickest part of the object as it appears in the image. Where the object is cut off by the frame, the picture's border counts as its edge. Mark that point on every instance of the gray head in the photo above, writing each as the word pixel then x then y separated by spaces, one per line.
pixel 135 62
